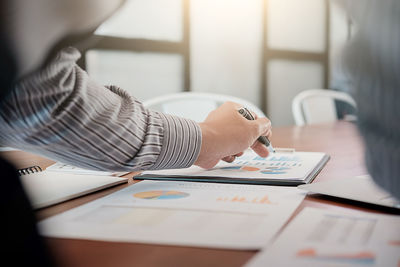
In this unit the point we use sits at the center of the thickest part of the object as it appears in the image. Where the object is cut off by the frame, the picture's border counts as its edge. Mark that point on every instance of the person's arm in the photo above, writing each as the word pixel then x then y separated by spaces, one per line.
pixel 59 112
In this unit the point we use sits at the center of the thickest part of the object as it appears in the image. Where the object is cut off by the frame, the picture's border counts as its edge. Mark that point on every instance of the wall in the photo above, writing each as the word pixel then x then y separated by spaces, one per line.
pixel 265 51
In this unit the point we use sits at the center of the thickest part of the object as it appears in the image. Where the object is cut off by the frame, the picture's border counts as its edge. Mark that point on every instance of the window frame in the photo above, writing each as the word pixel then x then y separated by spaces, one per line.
pixel 182 48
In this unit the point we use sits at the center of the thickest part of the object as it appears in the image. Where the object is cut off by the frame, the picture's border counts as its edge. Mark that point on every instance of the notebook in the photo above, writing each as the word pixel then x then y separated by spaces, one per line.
pixel 358 188
pixel 280 168
pixel 62 167
pixel 45 188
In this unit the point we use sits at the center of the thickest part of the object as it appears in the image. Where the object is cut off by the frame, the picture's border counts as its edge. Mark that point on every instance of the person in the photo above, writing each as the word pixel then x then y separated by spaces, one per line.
pixel 372 61
pixel 50 106
pixel 58 111
pixel 23 244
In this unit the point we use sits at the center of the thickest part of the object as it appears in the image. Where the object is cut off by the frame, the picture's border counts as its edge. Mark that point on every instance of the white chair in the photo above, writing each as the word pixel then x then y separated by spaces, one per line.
pixel 318 105
pixel 194 105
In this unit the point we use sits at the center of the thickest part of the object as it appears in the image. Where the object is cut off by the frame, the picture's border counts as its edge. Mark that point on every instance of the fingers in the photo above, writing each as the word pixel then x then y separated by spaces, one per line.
pixel 239 154
pixel 232 158
pixel 260 149
pixel 229 158
pixel 264 126
pixel 225 132
pixel 269 134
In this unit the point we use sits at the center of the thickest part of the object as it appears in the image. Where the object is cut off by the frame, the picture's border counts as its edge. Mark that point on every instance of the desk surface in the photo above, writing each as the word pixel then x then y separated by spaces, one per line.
pixel 340 140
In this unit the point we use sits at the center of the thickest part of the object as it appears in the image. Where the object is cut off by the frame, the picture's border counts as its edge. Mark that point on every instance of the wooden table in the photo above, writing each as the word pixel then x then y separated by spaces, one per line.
pixel 340 140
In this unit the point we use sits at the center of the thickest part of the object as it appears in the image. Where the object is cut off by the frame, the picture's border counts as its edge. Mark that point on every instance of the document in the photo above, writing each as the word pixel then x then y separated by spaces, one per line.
pixel 181 213
pixel 318 238
pixel 62 167
pixel 48 188
pixel 358 188
pixel 292 168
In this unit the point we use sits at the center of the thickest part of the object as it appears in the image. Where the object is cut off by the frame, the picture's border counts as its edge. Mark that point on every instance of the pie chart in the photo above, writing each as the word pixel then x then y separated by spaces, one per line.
pixel 243 168
pixel 162 194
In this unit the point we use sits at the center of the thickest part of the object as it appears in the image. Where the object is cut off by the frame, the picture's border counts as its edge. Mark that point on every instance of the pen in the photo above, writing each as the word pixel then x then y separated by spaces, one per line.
pixel 262 139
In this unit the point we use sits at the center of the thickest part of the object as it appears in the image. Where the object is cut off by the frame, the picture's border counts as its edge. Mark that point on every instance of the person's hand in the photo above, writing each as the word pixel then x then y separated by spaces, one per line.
pixel 226 134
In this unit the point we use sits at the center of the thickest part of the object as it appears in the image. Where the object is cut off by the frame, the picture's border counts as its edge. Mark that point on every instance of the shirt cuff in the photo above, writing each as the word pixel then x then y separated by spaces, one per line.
pixel 181 143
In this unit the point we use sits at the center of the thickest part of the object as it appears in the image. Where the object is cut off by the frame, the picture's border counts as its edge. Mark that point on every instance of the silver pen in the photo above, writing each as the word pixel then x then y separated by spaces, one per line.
pixel 262 139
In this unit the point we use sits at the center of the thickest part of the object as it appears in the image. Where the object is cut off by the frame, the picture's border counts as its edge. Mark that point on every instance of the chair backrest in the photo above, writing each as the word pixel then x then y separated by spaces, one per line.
pixel 318 105
pixel 194 105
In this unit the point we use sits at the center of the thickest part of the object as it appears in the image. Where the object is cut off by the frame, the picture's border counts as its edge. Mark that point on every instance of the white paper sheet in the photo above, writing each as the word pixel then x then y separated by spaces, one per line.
pixel 359 188
pixel 297 165
pixel 62 167
pixel 318 238
pixel 182 213
pixel 47 188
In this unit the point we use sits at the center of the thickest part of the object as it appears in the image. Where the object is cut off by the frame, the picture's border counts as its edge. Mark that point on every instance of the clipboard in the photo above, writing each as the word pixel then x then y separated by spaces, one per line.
pixel 286 167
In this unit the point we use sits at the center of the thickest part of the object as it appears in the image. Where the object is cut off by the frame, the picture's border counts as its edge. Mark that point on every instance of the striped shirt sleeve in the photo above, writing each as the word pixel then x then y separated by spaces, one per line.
pixel 60 113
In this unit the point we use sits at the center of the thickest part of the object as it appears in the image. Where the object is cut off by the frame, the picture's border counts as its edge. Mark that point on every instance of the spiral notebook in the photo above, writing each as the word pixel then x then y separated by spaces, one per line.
pixel 285 167
pixel 62 167
pixel 45 188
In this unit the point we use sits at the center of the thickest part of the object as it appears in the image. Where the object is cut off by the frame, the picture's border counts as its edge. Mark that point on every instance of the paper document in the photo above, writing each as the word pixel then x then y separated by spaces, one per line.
pixel 278 168
pixel 62 167
pixel 358 188
pixel 181 213
pixel 48 188
pixel 318 238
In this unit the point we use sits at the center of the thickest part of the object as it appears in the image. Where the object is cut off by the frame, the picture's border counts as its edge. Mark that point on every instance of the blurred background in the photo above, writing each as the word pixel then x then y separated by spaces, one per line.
pixel 264 51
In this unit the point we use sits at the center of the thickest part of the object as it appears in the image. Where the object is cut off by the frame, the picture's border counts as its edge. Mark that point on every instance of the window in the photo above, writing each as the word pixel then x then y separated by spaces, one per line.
pixel 143 48
pixel 265 51
pixel 296 53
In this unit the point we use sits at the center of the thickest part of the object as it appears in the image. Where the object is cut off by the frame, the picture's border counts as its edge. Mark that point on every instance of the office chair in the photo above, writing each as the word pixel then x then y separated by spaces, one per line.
pixel 194 105
pixel 318 105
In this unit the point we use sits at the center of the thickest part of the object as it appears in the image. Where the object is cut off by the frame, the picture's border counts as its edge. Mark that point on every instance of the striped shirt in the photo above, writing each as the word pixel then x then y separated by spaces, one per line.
pixel 60 113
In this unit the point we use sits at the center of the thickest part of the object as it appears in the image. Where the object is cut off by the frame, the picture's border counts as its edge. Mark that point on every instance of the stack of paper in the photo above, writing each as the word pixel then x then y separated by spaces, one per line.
pixel 277 169
pixel 181 213
pixel 317 238
pixel 48 188
pixel 62 167
pixel 358 188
